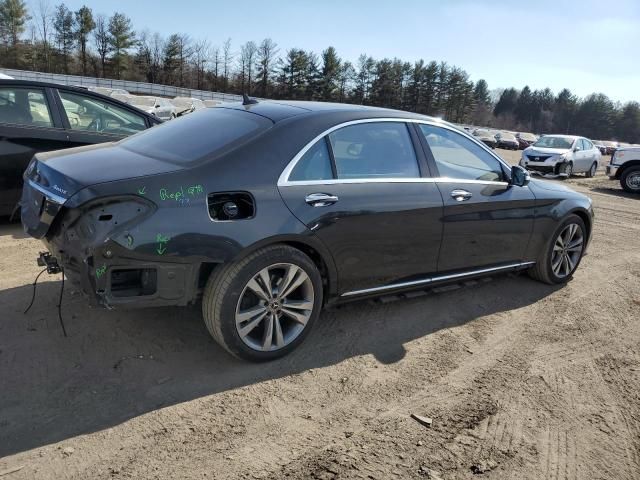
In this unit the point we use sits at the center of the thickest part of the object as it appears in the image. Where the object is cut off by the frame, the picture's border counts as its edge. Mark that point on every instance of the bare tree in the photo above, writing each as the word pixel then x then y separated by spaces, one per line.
pixel 215 61
pixel 201 56
pixel 248 53
pixel 227 56
pixel 267 52
pixel 102 41
pixel 43 20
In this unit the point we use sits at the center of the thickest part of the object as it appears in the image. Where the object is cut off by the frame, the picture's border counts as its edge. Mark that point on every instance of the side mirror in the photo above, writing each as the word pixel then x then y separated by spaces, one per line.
pixel 519 176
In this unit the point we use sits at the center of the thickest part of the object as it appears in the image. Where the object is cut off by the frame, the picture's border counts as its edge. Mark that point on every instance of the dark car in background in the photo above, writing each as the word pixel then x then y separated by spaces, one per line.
pixel 486 136
pixel 610 146
pixel 525 139
pixel 507 140
pixel 37 117
pixel 271 210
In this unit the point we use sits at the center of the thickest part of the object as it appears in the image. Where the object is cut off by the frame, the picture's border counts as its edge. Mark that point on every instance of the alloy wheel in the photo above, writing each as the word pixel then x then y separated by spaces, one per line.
pixel 567 250
pixel 274 307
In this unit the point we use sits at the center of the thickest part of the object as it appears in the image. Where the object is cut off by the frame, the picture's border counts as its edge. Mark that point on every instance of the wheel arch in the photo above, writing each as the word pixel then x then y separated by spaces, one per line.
pixel 585 217
pixel 625 166
pixel 310 246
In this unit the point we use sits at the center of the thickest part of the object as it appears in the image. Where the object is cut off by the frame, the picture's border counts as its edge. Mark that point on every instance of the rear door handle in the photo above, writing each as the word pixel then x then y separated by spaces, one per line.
pixel 320 199
pixel 461 195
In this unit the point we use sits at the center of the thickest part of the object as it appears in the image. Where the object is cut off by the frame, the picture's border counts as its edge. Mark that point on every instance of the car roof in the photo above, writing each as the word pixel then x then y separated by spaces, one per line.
pixel 277 110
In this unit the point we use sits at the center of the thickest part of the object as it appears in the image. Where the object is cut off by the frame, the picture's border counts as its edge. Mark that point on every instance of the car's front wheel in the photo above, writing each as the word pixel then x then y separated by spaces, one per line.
pixel 563 253
pixel 630 179
pixel 264 305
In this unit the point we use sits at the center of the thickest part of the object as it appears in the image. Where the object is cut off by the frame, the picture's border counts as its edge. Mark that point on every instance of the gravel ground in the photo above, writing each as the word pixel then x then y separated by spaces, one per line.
pixel 520 379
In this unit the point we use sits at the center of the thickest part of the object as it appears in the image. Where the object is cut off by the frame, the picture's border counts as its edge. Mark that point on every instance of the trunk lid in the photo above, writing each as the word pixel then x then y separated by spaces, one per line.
pixel 54 177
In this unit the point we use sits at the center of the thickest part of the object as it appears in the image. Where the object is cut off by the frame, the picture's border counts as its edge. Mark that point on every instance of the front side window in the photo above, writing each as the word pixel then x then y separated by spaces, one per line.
pixel 459 157
pixel 374 150
pixel 24 106
pixel 90 114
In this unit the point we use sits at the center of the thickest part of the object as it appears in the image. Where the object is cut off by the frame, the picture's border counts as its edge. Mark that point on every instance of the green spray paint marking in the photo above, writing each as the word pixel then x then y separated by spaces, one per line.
pixel 142 190
pixel 181 193
pixel 162 243
pixel 101 271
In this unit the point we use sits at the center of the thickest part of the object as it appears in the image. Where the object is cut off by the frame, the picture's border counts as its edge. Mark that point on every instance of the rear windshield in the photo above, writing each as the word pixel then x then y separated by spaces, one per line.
pixel 193 137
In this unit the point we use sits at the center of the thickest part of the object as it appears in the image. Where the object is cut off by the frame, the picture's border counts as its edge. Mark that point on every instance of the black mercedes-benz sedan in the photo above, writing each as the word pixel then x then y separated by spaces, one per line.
pixel 37 117
pixel 271 210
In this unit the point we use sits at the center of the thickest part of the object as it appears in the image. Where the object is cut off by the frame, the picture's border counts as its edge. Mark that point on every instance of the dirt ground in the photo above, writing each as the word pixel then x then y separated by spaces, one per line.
pixel 521 380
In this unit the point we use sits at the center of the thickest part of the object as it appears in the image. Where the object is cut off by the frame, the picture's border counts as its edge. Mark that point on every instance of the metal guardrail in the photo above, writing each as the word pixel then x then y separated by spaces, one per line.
pixel 142 88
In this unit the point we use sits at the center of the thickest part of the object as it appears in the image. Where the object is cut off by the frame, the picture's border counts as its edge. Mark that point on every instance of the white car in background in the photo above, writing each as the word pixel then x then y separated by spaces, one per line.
pixel 185 105
pixel 160 107
pixel 562 155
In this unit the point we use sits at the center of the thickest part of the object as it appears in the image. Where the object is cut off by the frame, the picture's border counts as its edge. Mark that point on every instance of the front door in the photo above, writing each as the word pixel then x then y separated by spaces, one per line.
pixel 360 190
pixel 487 222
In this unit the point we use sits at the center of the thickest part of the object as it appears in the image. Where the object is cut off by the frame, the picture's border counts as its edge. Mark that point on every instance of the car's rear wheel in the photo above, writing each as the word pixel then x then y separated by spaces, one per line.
pixel 630 179
pixel 563 253
pixel 592 170
pixel 263 306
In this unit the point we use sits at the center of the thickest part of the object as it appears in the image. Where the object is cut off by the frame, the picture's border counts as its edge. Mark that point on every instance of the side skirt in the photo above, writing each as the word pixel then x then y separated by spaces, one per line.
pixel 433 280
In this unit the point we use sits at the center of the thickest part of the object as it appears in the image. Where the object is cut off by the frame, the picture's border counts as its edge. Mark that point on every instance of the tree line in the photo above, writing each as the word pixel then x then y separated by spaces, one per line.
pixel 55 39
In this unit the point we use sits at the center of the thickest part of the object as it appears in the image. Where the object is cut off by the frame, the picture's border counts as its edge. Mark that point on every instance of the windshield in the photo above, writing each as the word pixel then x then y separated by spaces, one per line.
pixel 197 135
pixel 143 101
pixel 554 142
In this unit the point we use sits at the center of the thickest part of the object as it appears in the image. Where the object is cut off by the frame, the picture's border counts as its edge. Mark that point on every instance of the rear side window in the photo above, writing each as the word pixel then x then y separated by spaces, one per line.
pixel 374 150
pixel 24 106
pixel 315 164
pixel 197 135
pixel 458 157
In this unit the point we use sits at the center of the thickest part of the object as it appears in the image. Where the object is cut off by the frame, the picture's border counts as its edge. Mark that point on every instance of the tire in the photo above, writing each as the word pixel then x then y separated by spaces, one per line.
pixel 630 179
pixel 592 170
pixel 567 168
pixel 543 270
pixel 230 286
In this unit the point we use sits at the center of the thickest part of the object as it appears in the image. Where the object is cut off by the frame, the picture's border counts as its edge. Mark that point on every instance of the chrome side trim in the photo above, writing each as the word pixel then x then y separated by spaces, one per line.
pixel 339 181
pixel 283 180
pixel 50 196
pixel 436 279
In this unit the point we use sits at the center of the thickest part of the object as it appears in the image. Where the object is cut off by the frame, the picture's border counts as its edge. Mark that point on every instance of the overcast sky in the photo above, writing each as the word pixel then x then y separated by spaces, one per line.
pixel 584 45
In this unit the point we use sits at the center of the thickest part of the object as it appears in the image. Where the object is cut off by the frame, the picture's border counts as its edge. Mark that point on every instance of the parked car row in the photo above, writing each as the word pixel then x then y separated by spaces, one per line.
pixel 163 108
pixel 503 139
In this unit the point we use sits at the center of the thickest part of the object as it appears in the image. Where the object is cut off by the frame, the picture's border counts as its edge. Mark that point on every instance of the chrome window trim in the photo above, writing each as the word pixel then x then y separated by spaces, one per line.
pixel 437 278
pixel 48 195
pixel 336 181
pixel 284 181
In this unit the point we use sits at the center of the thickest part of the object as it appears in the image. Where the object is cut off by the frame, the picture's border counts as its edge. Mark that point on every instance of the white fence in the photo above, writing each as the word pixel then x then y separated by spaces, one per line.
pixel 132 87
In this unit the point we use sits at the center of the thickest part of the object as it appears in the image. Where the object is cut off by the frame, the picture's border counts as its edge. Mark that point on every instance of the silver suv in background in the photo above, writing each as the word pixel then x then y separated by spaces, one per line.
pixel 562 155
pixel 625 167
pixel 160 107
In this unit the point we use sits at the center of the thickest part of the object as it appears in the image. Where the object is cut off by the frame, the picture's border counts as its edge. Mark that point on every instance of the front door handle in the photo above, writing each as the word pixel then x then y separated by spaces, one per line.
pixel 320 199
pixel 461 195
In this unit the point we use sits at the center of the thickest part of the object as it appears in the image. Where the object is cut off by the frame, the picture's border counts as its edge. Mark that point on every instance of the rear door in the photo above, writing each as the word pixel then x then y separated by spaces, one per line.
pixel 362 189
pixel 90 119
pixel 28 125
pixel 487 221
